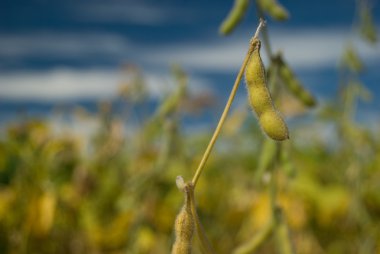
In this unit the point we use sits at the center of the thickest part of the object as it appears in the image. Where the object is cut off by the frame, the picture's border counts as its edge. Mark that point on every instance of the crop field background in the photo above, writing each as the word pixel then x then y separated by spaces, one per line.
pixel 92 139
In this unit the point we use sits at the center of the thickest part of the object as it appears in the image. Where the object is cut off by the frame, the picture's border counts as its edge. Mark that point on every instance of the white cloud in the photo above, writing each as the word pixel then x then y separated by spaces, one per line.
pixel 316 48
pixel 58 84
pixel 304 49
pixel 67 84
pixel 209 55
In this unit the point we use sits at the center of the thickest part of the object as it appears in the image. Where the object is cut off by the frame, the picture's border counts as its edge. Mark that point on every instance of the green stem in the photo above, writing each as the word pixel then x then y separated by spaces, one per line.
pixel 284 245
pixel 227 107
pixel 252 245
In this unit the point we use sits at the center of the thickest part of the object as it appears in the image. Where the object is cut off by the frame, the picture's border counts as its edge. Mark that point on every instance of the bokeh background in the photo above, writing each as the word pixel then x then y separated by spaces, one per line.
pixel 104 103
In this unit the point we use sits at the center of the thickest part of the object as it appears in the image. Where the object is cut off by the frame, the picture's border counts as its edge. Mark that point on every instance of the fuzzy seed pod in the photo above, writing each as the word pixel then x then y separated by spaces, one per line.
pixel 295 87
pixel 259 96
pixel 260 99
pixel 273 125
pixel 184 228
pixel 274 9
pixel 234 17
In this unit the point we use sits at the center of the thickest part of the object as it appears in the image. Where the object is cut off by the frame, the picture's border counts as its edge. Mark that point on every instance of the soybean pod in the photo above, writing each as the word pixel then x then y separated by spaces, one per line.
pixel 260 99
pixel 274 9
pixel 234 17
pixel 184 227
pixel 294 85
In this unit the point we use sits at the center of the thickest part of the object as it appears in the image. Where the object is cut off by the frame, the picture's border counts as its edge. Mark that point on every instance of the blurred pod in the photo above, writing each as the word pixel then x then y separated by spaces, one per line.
pixel 367 26
pixel 273 9
pixel 234 17
pixel 133 86
pixel 115 232
pixel 7 198
pixel 293 85
pixel 351 60
pixel 362 91
pixel 146 240
pixel 42 211
pixel 171 104
pixel 354 90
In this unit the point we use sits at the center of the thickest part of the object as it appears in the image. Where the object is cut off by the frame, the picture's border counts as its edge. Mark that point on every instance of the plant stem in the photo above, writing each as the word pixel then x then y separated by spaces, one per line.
pixel 227 107
pixel 252 245
pixel 284 243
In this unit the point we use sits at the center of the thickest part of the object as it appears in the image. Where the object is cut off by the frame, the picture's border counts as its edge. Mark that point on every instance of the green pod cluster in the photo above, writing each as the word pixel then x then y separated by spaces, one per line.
pixel 184 228
pixel 260 99
pixel 294 85
pixel 274 9
pixel 234 17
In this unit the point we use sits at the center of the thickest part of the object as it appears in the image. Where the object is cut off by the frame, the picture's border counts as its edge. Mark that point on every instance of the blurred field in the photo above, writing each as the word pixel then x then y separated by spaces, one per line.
pixel 115 191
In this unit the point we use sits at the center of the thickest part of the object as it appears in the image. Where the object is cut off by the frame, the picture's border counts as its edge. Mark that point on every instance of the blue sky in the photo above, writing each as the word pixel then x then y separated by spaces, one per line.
pixel 71 51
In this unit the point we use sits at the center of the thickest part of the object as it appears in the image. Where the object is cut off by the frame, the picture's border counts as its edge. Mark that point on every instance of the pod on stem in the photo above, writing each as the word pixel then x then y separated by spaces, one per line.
pixel 260 99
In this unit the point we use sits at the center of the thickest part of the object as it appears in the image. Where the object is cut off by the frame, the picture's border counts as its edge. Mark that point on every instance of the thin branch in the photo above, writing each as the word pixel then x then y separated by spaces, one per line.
pixel 227 107
pixel 252 245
